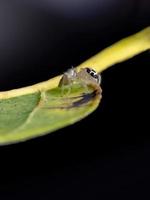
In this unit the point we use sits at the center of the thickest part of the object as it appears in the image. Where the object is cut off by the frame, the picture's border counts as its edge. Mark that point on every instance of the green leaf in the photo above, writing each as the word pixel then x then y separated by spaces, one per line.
pixel 43 108
pixel 32 115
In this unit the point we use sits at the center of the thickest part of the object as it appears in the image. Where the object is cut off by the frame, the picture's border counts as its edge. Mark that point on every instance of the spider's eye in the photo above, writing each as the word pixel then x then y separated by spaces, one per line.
pixel 91 71
pixel 92 74
pixel 88 70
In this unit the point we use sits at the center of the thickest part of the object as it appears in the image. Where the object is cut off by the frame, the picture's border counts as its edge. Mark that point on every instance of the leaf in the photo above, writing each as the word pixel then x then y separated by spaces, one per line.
pixel 43 108
pixel 36 114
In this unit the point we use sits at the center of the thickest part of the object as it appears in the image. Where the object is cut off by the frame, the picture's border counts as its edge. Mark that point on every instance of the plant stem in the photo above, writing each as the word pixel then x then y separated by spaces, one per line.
pixel 120 51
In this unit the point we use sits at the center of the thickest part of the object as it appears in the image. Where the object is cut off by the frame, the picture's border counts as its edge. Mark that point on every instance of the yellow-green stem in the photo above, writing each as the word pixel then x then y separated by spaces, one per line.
pixel 120 51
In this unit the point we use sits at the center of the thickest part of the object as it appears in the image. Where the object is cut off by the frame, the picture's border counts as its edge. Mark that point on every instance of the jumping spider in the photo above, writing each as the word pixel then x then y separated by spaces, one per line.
pixel 87 75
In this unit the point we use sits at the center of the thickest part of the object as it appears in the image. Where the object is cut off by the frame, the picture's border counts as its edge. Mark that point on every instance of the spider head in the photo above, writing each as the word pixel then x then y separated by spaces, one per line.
pixel 94 74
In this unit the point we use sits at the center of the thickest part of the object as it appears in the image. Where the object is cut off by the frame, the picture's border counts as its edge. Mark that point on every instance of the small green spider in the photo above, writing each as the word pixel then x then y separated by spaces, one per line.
pixel 86 77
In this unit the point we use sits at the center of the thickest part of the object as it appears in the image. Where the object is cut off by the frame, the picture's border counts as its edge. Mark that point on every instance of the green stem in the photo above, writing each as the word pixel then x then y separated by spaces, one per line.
pixel 120 51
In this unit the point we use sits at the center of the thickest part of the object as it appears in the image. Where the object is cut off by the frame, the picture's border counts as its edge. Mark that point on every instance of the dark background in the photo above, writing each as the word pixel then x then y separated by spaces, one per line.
pixel 109 151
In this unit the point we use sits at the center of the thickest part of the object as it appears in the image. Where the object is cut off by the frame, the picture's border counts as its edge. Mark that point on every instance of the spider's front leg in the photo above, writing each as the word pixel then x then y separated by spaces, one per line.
pixel 67 80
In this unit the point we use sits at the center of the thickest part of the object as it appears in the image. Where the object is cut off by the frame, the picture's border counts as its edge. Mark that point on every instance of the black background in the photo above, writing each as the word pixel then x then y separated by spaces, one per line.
pixel 109 151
